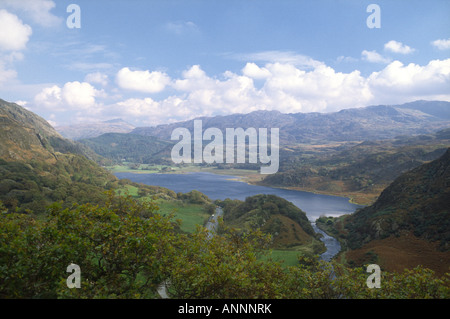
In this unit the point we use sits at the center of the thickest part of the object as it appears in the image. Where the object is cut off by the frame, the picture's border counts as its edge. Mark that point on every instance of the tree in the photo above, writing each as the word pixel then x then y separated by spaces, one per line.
pixel 224 266
pixel 122 249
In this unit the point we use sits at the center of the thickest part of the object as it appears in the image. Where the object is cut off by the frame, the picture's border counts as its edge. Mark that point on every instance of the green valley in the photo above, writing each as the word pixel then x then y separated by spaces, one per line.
pixel 59 204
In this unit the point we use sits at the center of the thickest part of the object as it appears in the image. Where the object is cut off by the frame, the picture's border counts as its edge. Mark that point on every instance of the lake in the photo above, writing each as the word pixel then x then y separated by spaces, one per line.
pixel 223 186
pixel 217 186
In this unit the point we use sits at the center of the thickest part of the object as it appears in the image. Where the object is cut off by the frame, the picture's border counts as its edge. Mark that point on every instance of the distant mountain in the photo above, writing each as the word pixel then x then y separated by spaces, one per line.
pixel 89 130
pixel 437 108
pixel 409 224
pixel 361 171
pixel 130 148
pixel 356 124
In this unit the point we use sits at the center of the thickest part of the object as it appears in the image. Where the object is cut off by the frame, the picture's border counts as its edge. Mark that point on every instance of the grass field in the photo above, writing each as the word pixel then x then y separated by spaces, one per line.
pixel 128 190
pixel 143 169
pixel 190 215
pixel 188 168
pixel 289 257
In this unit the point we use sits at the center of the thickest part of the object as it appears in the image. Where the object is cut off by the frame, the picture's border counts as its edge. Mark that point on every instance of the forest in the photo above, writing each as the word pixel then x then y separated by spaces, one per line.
pixel 125 249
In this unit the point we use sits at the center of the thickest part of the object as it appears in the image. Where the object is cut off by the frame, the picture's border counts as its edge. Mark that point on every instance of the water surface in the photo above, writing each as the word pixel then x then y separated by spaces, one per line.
pixel 224 186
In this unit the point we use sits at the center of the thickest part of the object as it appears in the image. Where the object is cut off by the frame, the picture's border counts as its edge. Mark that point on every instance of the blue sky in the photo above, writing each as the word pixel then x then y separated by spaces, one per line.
pixel 153 62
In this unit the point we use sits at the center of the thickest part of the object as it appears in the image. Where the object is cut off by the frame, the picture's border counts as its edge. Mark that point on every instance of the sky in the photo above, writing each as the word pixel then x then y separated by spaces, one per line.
pixel 156 62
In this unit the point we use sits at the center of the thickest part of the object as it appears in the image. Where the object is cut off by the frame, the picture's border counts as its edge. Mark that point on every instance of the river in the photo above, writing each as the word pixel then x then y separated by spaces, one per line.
pixel 217 186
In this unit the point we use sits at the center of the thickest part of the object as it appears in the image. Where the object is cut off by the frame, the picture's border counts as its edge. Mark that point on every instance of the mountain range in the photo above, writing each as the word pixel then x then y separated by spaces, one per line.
pixel 358 171
pixel 90 130
pixel 355 124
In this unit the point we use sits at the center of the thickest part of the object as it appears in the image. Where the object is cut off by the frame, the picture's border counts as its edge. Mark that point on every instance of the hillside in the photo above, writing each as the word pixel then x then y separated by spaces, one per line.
pixel 38 166
pixel 24 135
pixel 286 223
pixel 356 124
pixel 90 130
pixel 361 171
pixel 134 148
pixel 409 224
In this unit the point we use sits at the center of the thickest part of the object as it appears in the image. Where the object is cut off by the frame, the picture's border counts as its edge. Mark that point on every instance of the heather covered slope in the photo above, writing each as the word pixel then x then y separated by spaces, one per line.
pixel 408 225
pixel 418 201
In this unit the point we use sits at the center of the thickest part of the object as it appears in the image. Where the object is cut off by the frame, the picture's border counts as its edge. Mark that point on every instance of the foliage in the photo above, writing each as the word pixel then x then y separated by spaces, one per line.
pixel 34 185
pixel 224 266
pixel 194 197
pixel 256 210
pixel 418 200
pixel 135 148
pixel 122 250
pixel 125 249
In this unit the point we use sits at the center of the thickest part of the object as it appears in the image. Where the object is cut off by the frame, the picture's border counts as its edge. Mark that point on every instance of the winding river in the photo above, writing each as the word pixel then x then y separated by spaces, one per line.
pixel 224 186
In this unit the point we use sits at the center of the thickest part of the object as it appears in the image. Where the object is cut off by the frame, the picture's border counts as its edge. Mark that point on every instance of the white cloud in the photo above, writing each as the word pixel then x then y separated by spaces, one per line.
pixel 193 79
pixel 441 44
pixel 97 78
pixel 289 89
pixel 181 27
pixel 89 67
pixel 79 95
pixel 49 97
pixel 255 72
pixel 397 82
pixel 346 59
pixel 52 123
pixel 374 57
pixel 147 111
pixel 37 10
pixel 14 34
pixel 280 57
pixel 6 74
pixel 282 86
pixel 21 103
pixel 398 47
pixel 322 89
pixel 72 96
pixel 142 81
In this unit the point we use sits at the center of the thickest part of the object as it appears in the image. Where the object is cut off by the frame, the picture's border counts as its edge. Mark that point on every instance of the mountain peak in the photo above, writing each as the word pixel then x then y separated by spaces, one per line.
pixel 117 120
pixel 90 130
pixel 354 124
